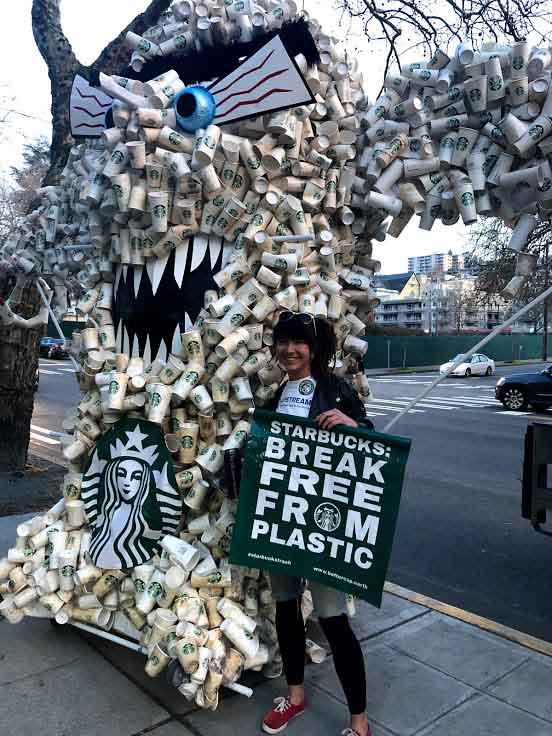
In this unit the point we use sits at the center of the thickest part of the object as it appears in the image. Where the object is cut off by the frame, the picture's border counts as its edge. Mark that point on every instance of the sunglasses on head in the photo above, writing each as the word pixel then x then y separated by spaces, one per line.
pixel 302 317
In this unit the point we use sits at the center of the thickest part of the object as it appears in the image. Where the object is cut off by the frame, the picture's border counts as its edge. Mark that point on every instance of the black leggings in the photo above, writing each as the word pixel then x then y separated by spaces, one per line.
pixel 347 654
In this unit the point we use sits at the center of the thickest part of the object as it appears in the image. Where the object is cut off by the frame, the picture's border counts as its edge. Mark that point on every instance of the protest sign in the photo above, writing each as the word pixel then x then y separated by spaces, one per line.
pixel 319 504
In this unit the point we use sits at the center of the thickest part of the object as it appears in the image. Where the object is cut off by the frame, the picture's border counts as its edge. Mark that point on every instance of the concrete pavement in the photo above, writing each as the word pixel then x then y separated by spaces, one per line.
pixel 429 674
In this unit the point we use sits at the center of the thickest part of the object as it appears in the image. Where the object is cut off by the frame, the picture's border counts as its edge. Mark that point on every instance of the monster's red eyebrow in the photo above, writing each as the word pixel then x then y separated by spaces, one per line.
pixel 235 81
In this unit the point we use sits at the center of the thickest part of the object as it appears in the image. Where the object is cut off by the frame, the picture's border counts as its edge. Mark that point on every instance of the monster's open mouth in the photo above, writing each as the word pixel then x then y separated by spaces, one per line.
pixel 156 302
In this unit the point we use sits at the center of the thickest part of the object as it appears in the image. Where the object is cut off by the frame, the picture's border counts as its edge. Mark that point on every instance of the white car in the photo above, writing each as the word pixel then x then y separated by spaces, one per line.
pixel 477 365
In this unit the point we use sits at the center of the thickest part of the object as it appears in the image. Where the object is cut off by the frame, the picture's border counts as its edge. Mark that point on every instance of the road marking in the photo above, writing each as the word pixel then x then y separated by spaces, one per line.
pixel 42 438
pixel 475 399
pixel 398 408
pixel 68 370
pixel 516 413
pixel 375 414
pixel 44 430
pixel 50 373
pixel 465 401
pixel 480 622
pixel 408 400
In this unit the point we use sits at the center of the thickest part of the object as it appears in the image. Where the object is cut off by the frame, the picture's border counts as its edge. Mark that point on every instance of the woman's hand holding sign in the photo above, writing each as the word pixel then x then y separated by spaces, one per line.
pixel 334 418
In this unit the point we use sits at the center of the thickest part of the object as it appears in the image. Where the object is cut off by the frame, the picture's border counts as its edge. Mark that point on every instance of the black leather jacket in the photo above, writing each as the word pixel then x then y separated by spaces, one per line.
pixel 332 392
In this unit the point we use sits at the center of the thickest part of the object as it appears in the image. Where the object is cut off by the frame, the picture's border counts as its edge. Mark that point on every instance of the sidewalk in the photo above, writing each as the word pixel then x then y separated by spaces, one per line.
pixel 428 675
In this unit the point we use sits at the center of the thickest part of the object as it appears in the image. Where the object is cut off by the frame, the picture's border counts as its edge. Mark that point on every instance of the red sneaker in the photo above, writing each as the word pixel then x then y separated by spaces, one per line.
pixel 281 714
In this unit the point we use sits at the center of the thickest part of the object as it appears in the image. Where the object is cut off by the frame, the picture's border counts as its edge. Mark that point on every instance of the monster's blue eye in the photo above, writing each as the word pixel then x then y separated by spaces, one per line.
pixel 195 108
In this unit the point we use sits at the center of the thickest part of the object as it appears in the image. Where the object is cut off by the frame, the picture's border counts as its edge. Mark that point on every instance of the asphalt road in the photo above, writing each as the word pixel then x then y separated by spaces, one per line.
pixel 460 536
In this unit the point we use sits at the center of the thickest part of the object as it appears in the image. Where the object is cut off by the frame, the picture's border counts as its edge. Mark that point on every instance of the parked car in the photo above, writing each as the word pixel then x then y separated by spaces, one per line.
pixel 519 390
pixel 477 365
pixel 52 347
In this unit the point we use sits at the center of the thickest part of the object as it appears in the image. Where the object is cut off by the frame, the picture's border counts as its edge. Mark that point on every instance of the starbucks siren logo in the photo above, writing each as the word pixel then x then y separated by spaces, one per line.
pixel 495 83
pixel 475 94
pixel 155 589
pixel 159 211
pixel 467 199
pixel 117 157
pixel 536 132
pixel 113 387
pixel 155 399
pixel 462 143
pixel 187 442
pixel 180 41
pixel 327 517
pixel 306 388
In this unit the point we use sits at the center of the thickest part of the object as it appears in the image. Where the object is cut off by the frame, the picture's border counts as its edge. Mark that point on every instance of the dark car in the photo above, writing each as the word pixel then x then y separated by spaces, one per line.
pixel 52 347
pixel 519 390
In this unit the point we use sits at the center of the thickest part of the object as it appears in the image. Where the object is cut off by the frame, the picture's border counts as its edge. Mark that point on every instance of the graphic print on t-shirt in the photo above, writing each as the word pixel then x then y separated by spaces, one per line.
pixel 297 397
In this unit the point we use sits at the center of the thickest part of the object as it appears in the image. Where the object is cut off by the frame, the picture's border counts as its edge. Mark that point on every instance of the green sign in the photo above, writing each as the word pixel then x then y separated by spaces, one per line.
pixel 319 504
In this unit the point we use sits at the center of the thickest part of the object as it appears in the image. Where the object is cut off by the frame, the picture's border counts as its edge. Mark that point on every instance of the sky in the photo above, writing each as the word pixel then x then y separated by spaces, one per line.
pixel 90 25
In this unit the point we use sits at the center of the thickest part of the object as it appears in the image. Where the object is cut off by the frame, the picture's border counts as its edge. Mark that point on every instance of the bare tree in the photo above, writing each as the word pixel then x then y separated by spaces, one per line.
pixel 19 347
pixel 428 25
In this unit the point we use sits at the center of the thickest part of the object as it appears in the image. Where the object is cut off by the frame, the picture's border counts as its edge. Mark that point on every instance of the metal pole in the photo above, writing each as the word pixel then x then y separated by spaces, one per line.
pixel 545 310
pixel 389 353
pixel 497 330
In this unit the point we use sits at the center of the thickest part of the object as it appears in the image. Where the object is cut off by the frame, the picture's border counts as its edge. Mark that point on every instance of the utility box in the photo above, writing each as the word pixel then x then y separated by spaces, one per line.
pixel 536 492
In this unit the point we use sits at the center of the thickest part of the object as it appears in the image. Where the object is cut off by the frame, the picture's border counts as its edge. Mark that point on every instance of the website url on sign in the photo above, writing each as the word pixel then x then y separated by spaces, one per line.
pixel 269 558
pixel 340 577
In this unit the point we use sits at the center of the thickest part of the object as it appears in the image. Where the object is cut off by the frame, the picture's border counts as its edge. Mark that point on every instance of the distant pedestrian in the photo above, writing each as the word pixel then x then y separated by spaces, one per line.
pixel 305 347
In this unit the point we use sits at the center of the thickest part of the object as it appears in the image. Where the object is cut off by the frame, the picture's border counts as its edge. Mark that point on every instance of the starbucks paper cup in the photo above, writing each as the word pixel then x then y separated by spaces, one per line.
pixel 201 398
pixel 159 397
pixel 211 461
pixel 187 434
pixel 232 342
pixel 186 478
pixel 173 368
pixel 157 661
pixel 188 380
pixel 116 391
pixel 158 207
pixel 465 201
pixel 236 316
pixel 475 90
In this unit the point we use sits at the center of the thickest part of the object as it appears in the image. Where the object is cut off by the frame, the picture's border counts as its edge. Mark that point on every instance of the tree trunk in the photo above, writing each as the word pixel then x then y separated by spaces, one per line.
pixel 19 348
pixel 18 364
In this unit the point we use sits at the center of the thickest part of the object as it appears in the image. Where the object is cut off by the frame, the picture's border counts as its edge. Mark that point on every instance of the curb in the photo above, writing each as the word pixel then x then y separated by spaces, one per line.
pixel 505 632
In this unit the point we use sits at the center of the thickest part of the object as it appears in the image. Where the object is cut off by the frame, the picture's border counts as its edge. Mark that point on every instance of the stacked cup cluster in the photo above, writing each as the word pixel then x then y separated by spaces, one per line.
pixel 464 137
pixel 279 194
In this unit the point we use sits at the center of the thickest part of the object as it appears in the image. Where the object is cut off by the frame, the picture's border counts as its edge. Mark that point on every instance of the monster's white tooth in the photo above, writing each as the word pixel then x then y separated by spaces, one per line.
pixel 119 339
pixel 162 352
pixel 118 271
pixel 226 254
pixel 176 341
pixel 147 353
pixel 150 268
pixel 135 347
pixel 198 250
pixel 215 245
pixel 126 341
pixel 188 324
pixel 138 270
pixel 180 258
pixel 158 271
pixel 125 271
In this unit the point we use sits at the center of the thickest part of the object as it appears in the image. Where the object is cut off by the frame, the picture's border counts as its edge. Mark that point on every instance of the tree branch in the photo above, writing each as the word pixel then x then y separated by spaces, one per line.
pixel 114 58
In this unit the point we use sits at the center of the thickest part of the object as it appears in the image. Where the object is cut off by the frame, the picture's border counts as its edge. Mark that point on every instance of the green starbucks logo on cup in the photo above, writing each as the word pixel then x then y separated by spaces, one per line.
pixel 448 142
pixel 536 132
pixel 238 182
pixel 159 211
pixel 113 387
pixel 168 91
pixel 415 145
pixel 517 62
pixel 209 141
pixel 435 211
pixel 467 199
pixel 187 477
pixel 241 435
pixel 71 491
pixel 379 111
pixel 175 139
pixel 462 143
pixel 191 493
pixel 155 399
pixel 495 83
pixel 214 578
pixel 425 75
pixel 257 220
pixel 331 186
pixel 280 263
pixel 110 580
pixel 237 320
pixel 155 589
pixel 180 41
pixel 188 649
pixel 282 229
pixel 453 123
pixel 218 201
pixel 67 571
pixel 519 91
pixel 227 174
pixel 300 216
pixel 547 183
pixel 306 388
pixel 154 659
pixel 399 111
pixel 192 377
pixel 154 174
pixel 144 46
pixel 139 585
pixel 253 163
pixel 187 442
pixel 118 189
pixel 454 94
pixel 413 67
pixel 194 347
pixel 475 95
pixel 117 157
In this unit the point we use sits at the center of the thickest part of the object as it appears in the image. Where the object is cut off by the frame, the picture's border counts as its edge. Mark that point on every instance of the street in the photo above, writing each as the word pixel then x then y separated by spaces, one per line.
pixel 460 536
